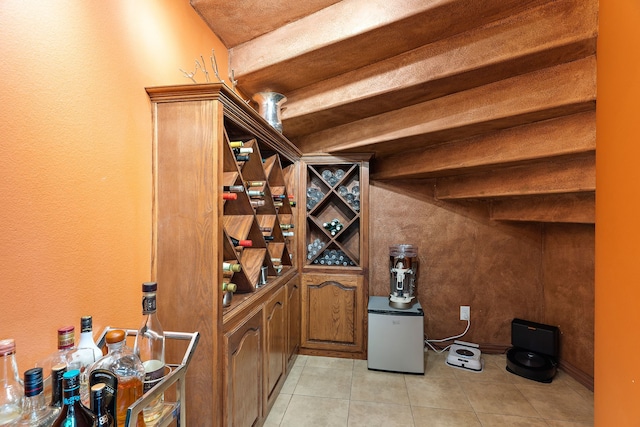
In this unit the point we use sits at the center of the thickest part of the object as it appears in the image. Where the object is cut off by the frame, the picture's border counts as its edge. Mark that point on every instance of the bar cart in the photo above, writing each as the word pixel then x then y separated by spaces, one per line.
pixel 172 410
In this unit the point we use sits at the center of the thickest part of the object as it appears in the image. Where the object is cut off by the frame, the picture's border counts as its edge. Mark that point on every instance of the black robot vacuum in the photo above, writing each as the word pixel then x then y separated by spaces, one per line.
pixel 535 350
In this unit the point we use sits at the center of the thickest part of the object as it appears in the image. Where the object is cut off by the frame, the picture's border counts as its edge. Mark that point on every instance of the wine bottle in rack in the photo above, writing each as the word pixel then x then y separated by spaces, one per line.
pixel 279 196
pixel 286 226
pixel 233 188
pixel 229 287
pixel 292 203
pixel 227 266
pixel 266 229
pixel 287 233
pixel 255 193
pixel 268 238
pixel 229 196
pixel 242 150
pixel 241 243
pixel 242 157
pixel 254 183
pixel 236 144
pixel 257 203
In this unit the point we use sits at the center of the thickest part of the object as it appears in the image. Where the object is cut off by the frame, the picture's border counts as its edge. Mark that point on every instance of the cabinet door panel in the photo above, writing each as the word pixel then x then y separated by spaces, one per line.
pixel 293 306
pixel 275 343
pixel 244 373
pixel 332 312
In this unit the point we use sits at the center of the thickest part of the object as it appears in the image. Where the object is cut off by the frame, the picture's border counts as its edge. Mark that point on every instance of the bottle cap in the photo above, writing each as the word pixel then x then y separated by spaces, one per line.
pixel 86 324
pixel 7 347
pixel 245 243
pixel 114 336
pixel 97 390
pixel 33 382
pixel 149 287
pixel 66 337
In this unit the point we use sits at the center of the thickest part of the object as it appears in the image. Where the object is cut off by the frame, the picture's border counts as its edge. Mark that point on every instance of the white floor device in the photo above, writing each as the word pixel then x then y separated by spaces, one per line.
pixel 465 355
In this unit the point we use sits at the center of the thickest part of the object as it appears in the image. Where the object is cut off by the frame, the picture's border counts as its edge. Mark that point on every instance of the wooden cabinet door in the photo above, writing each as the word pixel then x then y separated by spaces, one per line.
pixel 293 306
pixel 244 370
pixel 275 345
pixel 333 312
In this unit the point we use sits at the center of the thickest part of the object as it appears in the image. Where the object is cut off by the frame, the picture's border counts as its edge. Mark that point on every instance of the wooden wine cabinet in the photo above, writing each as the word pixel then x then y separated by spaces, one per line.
pixel 334 283
pixel 244 349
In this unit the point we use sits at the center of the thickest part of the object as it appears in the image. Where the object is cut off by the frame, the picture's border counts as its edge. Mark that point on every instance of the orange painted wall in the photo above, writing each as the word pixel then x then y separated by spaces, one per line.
pixel 75 156
pixel 617 314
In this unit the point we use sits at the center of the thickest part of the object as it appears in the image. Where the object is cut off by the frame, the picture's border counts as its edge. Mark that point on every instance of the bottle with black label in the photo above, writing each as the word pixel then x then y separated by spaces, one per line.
pixel 98 407
pixel 73 412
pixel 149 346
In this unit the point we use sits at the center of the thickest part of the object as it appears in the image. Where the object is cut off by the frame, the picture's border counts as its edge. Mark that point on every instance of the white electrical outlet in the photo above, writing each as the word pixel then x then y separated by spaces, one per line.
pixel 465 312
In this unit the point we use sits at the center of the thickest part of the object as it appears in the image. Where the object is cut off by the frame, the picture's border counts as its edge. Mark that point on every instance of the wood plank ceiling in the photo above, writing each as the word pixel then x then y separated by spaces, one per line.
pixel 489 100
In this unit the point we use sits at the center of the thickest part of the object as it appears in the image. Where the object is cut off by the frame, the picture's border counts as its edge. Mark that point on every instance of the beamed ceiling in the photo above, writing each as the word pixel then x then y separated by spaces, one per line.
pixel 489 100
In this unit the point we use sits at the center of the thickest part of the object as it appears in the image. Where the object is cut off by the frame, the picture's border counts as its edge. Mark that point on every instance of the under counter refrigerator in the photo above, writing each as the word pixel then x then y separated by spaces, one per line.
pixel 395 338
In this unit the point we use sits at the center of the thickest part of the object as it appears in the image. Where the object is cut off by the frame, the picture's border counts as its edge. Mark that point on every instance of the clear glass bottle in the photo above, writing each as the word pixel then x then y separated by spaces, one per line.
pixel 11 390
pixel 35 412
pixel 64 354
pixel 73 412
pixel 86 354
pixel 149 346
pixel 129 370
pixel 98 407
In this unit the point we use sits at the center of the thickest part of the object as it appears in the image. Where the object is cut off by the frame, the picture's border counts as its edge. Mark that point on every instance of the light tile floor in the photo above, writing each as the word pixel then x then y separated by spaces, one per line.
pixel 324 391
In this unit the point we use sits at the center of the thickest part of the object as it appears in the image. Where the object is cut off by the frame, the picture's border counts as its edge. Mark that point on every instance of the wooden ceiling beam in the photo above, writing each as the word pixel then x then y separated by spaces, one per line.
pixel 540 95
pixel 577 208
pixel 566 136
pixel 362 32
pixel 548 177
pixel 558 32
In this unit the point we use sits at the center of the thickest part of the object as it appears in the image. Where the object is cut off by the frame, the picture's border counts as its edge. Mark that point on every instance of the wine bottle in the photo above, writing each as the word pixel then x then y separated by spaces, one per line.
pixel 287 233
pixel 236 144
pixel 73 412
pixel 229 196
pixel 286 226
pixel 292 203
pixel 257 203
pixel 266 229
pixel 149 347
pixel 10 389
pixel 233 188
pixel 268 238
pixel 241 243
pixel 278 204
pixel 227 266
pixel 243 150
pixel 255 193
pixel 279 196
pixel 98 406
pixel 242 158
pixel 229 287
pixel 35 412
pixel 255 183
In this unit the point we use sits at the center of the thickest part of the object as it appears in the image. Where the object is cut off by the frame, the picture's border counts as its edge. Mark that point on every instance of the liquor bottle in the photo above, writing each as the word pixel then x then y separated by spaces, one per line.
pixel 233 188
pixel 98 406
pixel 229 196
pixel 241 243
pixel 65 352
pixel 229 287
pixel 254 183
pixel 87 352
pixel 57 371
pixel 227 266
pixel 73 412
pixel 35 412
pixel 11 391
pixel 236 144
pixel 128 369
pixel 149 347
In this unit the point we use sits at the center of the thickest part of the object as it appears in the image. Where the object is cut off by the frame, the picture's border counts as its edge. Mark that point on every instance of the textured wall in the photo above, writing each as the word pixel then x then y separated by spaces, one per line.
pixel 569 294
pixel 464 260
pixel 75 157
